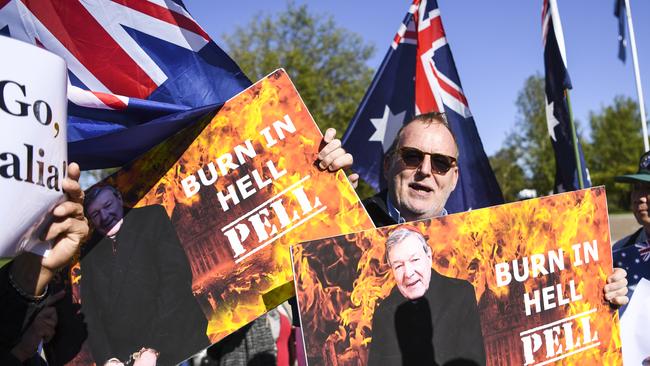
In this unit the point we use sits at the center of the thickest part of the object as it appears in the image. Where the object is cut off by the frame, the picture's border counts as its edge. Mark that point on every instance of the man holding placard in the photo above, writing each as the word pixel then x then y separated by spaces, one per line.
pixel 421 171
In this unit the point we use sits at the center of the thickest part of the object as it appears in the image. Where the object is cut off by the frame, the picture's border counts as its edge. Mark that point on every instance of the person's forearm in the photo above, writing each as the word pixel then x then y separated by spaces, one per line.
pixel 26 271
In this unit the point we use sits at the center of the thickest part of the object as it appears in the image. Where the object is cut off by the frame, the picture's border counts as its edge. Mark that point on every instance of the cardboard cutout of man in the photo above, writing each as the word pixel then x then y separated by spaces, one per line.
pixel 136 284
pixel 428 319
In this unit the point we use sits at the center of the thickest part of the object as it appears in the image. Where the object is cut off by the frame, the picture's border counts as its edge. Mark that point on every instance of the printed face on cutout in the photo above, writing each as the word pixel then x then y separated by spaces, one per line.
pixel 411 266
pixel 105 211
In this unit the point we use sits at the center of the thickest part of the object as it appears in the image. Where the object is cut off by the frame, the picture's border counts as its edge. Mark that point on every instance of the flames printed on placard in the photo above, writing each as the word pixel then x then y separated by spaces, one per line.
pixel 230 292
pixel 341 280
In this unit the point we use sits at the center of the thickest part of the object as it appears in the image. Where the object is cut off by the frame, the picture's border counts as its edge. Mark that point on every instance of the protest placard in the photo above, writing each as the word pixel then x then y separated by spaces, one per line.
pixel 527 278
pixel 33 152
pixel 190 239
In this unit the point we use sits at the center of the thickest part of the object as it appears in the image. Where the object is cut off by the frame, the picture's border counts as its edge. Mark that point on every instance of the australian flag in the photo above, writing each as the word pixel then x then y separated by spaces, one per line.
pixel 138 71
pixel 619 12
pixel 560 127
pixel 418 75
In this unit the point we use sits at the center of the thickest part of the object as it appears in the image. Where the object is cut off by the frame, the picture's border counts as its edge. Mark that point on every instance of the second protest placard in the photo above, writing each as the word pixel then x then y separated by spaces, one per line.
pixel 515 284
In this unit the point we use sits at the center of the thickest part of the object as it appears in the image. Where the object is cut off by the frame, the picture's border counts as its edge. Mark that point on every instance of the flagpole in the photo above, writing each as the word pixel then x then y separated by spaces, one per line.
pixel 574 137
pixel 637 75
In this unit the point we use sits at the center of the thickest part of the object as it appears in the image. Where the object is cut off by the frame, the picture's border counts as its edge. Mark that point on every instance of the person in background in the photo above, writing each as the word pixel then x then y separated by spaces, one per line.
pixel 639 202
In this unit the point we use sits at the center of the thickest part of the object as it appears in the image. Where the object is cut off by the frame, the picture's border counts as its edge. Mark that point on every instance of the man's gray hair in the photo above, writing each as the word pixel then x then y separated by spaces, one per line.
pixel 400 234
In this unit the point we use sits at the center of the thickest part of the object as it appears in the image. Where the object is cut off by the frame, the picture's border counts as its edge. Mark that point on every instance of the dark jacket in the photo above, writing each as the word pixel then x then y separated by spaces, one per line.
pixel 16 313
pixel 441 328
pixel 141 296
pixel 378 209
pixel 628 240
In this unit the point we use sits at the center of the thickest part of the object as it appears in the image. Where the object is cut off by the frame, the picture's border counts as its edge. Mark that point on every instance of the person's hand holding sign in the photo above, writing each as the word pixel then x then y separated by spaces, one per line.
pixel 32 272
pixel 616 288
pixel 41 329
pixel 333 157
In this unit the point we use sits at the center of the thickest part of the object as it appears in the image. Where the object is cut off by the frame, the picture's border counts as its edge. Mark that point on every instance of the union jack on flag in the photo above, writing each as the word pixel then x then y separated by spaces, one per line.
pixel 644 250
pixel 418 75
pixel 133 65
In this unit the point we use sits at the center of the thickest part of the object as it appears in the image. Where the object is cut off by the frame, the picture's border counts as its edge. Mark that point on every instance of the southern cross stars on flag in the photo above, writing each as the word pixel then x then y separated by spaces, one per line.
pixel 130 62
pixel 418 75
pixel 635 260
pixel 644 250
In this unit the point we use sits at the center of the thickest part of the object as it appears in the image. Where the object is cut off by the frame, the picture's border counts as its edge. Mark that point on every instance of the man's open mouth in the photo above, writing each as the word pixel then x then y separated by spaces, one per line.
pixel 420 187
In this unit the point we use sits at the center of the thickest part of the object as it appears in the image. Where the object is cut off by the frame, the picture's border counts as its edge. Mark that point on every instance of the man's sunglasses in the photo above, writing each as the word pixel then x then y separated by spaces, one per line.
pixel 413 158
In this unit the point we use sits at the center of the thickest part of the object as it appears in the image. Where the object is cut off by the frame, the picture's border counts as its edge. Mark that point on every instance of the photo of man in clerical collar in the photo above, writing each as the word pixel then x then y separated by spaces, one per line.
pixel 136 284
pixel 428 319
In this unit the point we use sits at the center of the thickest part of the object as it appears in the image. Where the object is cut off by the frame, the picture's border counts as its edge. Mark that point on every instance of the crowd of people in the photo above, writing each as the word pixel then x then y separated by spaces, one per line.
pixel 421 171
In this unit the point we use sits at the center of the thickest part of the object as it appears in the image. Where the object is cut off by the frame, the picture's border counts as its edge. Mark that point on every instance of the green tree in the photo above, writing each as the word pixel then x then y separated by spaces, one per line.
pixel 327 63
pixel 616 145
pixel 529 142
pixel 509 173
pixel 530 138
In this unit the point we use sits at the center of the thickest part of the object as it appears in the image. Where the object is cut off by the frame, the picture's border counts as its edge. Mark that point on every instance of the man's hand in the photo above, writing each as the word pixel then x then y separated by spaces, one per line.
pixel 616 288
pixel 70 226
pixel 41 329
pixel 146 357
pixel 333 157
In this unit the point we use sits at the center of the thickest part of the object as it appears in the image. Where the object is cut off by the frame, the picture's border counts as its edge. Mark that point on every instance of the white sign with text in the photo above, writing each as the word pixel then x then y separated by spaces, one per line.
pixel 33 143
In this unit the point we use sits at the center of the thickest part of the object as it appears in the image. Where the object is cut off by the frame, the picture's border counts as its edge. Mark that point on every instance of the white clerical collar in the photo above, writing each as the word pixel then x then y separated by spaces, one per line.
pixel 393 212
pixel 112 233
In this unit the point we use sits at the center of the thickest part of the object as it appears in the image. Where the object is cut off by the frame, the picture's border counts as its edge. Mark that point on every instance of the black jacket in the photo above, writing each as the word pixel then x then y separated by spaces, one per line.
pixel 378 209
pixel 16 314
pixel 441 328
pixel 142 295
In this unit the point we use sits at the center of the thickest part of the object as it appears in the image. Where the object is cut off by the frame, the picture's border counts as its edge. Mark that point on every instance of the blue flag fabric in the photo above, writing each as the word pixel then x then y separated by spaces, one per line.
pixel 131 63
pixel 418 75
pixel 557 107
pixel 635 259
pixel 619 12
